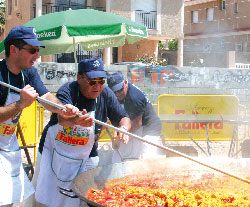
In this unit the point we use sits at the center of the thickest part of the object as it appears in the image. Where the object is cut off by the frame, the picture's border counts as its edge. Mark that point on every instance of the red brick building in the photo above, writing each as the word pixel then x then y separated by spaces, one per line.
pixel 217 31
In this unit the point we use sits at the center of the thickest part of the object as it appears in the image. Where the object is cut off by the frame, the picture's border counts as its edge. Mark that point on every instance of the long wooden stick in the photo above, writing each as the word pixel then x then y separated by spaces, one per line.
pixel 19 130
pixel 143 140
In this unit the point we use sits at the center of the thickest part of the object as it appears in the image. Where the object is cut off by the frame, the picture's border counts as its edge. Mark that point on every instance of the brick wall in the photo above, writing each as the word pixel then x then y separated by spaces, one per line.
pixel 130 51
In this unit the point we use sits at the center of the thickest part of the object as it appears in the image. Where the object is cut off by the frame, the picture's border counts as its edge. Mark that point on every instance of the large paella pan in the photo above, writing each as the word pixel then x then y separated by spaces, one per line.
pixel 178 174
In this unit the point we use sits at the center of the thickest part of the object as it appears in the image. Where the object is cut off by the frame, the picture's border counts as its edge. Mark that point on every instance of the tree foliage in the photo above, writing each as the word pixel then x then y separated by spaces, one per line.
pixel 2 12
pixel 161 46
pixel 173 45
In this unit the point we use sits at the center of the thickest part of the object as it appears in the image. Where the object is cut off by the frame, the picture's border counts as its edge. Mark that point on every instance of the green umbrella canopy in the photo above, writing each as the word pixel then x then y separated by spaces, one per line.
pixel 61 32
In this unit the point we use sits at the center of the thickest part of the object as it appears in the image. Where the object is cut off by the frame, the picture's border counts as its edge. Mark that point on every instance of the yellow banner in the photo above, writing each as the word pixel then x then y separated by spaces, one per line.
pixel 195 106
pixel 28 122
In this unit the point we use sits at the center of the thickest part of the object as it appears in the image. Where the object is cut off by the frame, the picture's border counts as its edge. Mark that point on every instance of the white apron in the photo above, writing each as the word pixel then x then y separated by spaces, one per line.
pixel 15 186
pixel 65 152
pixel 136 149
pixel 129 151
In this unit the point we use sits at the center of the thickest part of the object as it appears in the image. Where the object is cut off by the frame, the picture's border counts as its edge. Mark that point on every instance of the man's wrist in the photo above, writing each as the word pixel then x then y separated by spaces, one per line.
pixel 19 105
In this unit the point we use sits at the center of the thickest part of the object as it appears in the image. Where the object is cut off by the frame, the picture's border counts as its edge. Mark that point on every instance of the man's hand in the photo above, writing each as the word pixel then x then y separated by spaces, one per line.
pixel 75 117
pixel 70 111
pixel 83 119
pixel 67 116
pixel 27 95
pixel 118 137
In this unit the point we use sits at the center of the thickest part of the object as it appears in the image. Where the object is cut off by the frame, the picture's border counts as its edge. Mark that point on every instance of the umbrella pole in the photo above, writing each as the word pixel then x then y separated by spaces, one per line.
pixel 74 45
pixel 140 138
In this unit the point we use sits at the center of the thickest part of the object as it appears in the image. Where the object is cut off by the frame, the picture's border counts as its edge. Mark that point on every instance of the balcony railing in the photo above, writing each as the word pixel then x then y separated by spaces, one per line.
pixel 51 8
pixel 147 19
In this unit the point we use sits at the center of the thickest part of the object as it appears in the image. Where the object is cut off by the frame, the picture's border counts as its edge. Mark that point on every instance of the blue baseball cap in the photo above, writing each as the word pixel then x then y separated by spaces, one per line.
pixel 27 34
pixel 115 81
pixel 93 68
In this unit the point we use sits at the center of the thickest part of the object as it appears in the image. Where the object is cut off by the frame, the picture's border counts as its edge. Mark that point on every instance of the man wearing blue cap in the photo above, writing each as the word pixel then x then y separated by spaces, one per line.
pixel 66 143
pixel 21 51
pixel 144 120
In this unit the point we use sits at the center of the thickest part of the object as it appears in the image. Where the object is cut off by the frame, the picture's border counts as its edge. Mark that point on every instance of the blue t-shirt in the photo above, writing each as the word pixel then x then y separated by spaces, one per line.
pixel 136 103
pixel 106 105
pixel 31 77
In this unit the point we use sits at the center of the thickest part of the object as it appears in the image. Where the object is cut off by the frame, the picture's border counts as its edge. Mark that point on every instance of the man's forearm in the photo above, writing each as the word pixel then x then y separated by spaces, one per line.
pixel 125 122
pixel 136 124
pixel 6 112
pixel 50 97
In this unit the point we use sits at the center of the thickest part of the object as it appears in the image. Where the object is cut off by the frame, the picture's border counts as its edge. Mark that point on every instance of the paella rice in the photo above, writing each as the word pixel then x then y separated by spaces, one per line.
pixel 159 190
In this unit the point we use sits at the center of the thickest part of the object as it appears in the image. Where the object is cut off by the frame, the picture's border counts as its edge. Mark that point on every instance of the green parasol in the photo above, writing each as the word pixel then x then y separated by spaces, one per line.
pixel 61 32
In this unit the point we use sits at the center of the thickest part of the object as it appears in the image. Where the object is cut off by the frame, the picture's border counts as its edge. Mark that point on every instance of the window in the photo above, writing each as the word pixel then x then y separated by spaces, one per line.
pixel 210 14
pixel 16 3
pixel 244 48
pixel 222 43
pixel 195 17
pixel 236 9
pixel 9 7
pixel 222 4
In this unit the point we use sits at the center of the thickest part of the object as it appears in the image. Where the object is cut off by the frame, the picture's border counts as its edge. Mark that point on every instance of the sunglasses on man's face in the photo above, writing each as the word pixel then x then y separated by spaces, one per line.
pixel 31 50
pixel 119 91
pixel 94 82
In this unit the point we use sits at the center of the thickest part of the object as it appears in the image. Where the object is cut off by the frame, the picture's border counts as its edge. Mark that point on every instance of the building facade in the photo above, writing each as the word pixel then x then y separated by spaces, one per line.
pixel 217 32
pixel 163 18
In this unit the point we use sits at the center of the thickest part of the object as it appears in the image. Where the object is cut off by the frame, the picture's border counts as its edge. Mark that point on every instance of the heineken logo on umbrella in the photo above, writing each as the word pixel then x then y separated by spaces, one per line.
pixel 46 34
pixel 102 43
pixel 134 30
pixel 49 34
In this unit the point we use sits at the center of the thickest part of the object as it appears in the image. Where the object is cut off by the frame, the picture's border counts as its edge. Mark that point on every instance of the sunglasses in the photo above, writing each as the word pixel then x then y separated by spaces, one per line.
pixel 94 82
pixel 32 50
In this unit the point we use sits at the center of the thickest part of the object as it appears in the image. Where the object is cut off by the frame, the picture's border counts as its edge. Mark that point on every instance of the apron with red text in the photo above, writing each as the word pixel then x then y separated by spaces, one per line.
pixel 15 186
pixel 64 156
